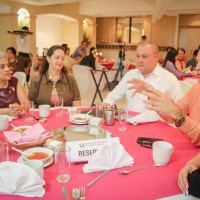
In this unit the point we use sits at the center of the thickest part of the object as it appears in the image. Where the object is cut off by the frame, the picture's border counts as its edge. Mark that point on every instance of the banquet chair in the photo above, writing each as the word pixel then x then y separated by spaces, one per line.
pixel 191 81
pixel 185 87
pixel 84 79
pixel 21 76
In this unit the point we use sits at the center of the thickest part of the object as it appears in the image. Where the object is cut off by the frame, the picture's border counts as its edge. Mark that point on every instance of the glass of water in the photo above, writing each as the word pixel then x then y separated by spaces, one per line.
pixel 122 119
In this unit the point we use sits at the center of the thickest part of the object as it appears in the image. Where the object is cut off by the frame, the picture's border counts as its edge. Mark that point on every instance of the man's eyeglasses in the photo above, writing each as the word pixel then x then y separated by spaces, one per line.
pixel 2 66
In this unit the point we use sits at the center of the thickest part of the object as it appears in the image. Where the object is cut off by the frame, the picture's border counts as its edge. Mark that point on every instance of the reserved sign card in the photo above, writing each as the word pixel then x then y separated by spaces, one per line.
pixel 81 151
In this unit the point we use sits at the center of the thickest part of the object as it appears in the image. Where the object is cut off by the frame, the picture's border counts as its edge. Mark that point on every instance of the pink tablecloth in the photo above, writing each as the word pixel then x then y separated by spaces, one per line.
pixel 107 65
pixel 149 183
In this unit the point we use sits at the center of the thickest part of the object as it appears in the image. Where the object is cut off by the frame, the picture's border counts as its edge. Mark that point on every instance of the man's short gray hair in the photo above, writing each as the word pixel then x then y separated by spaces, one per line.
pixel 154 45
pixel 3 55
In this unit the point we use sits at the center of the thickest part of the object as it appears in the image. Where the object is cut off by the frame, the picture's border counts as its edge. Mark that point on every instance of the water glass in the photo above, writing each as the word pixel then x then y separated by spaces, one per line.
pixel 100 107
pixel 59 106
pixel 62 163
pixel 4 152
pixel 122 119
pixel 29 112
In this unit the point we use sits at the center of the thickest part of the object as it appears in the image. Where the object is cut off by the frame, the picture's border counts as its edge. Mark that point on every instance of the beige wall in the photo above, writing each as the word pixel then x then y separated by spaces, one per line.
pixel 189 20
pixel 10 22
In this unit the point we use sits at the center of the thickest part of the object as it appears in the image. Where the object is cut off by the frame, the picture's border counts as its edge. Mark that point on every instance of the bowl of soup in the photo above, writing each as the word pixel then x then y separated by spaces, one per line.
pixel 38 153
pixel 80 118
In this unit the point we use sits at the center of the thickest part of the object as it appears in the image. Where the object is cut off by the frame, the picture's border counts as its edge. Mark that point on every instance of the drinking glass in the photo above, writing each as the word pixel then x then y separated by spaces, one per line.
pixel 59 106
pixel 62 163
pixel 29 112
pixel 122 119
pixel 4 152
pixel 100 109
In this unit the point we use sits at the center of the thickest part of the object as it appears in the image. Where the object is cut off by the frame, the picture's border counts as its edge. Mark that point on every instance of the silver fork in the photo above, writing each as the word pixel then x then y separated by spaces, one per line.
pixel 82 191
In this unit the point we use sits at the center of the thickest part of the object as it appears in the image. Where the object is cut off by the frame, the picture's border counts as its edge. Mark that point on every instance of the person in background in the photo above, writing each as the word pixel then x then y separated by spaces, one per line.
pixel 69 62
pixel 180 60
pixel 189 167
pixel 148 70
pixel 11 53
pixel 184 114
pixel 12 94
pixel 89 60
pixel 54 82
pixel 169 64
pixel 170 48
pixel 24 49
pixel 144 38
pixel 80 51
pixel 193 62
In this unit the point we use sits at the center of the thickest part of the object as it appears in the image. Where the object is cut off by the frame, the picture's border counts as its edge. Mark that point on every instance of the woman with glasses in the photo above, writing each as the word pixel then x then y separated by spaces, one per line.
pixel 12 94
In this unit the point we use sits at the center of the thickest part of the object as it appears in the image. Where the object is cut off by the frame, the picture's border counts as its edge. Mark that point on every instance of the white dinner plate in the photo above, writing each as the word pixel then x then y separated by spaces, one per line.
pixel 75 122
pixel 46 163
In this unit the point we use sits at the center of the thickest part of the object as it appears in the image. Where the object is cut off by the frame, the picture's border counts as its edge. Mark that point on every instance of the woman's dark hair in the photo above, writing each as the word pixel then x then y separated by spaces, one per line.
pixel 170 57
pixel 181 49
pixel 91 49
pixel 12 49
pixel 45 64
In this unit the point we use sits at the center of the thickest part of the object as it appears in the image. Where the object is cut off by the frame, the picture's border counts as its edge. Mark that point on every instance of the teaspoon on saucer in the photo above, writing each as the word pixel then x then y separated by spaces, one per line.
pixel 127 172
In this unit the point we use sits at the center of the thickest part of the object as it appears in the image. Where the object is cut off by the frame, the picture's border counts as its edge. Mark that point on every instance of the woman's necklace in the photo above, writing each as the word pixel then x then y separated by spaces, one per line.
pixel 6 85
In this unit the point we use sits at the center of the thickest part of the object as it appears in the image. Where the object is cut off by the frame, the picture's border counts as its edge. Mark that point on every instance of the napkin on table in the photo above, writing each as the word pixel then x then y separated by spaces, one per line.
pixel 146 117
pixel 112 155
pixel 19 179
pixel 33 134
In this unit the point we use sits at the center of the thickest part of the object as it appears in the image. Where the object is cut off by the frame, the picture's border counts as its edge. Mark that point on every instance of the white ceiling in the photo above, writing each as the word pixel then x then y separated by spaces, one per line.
pixel 103 8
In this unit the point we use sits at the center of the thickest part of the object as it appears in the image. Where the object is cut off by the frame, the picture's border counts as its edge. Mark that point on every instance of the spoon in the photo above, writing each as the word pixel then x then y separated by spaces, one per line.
pixel 75 193
pixel 27 154
pixel 127 172
pixel 13 125
pixel 88 112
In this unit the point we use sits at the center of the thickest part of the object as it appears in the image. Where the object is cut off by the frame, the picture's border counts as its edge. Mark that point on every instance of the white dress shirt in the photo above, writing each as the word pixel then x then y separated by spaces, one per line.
pixel 24 44
pixel 160 79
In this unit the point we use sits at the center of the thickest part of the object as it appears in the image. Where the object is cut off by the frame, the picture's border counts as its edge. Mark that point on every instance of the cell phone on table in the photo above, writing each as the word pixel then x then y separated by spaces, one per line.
pixel 147 142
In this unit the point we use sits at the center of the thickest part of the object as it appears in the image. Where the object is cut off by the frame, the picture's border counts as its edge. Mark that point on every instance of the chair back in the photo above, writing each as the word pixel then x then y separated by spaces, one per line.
pixel 185 87
pixel 191 81
pixel 21 76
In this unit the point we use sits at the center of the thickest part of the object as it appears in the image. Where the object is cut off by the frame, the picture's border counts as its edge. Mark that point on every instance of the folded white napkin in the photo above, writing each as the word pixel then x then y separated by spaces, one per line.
pixel 145 117
pixel 19 179
pixel 112 155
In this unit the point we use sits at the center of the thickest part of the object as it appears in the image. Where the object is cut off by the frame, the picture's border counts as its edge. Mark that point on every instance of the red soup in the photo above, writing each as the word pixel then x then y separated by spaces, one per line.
pixel 38 156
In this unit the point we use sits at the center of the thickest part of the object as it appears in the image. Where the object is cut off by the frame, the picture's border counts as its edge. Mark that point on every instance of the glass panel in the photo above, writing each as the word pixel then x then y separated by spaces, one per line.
pixel 123 29
pixel 79 133
pixel 137 29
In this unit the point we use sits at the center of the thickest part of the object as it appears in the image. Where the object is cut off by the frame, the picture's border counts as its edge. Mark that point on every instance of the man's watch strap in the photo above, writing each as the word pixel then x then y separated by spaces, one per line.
pixel 180 120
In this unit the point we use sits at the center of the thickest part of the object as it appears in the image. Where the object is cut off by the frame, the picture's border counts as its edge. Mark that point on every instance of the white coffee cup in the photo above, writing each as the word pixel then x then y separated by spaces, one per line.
pixel 44 110
pixel 37 166
pixel 162 152
pixel 3 122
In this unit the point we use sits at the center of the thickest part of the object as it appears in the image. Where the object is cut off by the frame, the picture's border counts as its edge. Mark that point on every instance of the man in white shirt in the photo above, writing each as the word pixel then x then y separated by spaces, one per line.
pixel 24 49
pixel 149 71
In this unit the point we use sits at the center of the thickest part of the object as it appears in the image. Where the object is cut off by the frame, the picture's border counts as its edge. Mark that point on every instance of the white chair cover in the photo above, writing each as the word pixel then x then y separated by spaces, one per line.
pixel 191 81
pixel 83 77
pixel 185 87
pixel 21 76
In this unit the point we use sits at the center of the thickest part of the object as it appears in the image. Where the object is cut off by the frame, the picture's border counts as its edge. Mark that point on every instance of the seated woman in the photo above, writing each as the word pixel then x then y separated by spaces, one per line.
pixel 53 81
pixel 12 94
pixel 180 60
pixel 169 64
pixel 89 60
pixel 69 61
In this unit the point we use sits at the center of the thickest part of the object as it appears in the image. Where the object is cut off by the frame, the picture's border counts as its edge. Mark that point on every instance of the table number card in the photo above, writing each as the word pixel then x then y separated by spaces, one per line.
pixel 81 151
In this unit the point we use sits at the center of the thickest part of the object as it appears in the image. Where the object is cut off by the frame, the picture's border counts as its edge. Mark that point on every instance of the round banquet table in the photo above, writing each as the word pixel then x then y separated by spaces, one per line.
pixel 149 183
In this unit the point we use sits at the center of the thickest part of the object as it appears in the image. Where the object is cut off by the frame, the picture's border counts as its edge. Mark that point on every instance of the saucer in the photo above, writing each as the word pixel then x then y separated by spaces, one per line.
pixel 46 164
pixel 75 122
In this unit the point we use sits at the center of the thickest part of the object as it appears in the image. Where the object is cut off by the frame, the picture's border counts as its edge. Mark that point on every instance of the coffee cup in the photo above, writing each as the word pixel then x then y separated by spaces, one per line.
pixel 37 166
pixel 3 122
pixel 162 152
pixel 44 110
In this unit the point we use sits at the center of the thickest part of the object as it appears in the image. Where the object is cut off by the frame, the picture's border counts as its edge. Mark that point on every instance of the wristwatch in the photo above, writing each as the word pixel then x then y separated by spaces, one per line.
pixel 180 120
